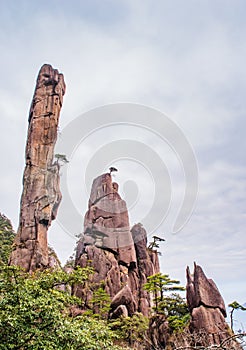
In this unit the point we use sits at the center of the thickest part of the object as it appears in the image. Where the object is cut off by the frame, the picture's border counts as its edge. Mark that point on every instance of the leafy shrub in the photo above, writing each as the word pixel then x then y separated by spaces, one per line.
pixel 34 314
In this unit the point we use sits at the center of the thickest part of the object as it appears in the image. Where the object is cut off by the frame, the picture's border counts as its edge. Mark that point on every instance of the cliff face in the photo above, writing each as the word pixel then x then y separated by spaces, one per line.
pixel 41 194
pixel 118 255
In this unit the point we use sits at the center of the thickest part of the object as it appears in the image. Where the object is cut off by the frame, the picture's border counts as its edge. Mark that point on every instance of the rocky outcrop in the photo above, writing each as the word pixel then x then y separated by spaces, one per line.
pixel 53 260
pixel 158 332
pixel 147 265
pixel 203 291
pixel 41 193
pixel 118 255
pixel 106 222
pixel 124 298
pixel 207 309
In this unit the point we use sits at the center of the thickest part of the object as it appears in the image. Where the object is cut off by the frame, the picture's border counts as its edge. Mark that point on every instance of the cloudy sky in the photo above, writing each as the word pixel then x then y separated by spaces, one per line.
pixel 183 58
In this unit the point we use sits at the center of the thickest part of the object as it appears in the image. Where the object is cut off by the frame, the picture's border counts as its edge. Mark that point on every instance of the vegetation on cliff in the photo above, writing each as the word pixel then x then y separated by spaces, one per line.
pixel 35 313
pixel 7 236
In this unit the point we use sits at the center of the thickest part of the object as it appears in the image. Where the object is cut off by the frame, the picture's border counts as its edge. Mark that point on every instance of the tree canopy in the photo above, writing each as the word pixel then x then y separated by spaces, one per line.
pixel 35 313
pixel 172 305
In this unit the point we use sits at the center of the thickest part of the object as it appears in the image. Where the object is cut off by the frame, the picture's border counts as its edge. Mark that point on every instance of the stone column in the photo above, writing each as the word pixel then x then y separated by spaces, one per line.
pixel 41 194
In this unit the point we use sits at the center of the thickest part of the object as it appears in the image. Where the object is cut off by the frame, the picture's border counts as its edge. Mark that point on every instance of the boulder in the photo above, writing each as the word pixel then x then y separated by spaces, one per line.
pixel 120 311
pixel 124 297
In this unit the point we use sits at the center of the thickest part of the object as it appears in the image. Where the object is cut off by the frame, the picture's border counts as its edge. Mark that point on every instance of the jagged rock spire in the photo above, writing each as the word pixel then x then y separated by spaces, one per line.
pixel 41 193
pixel 106 222
pixel 203 291
pixel 118 255
pixel 207 309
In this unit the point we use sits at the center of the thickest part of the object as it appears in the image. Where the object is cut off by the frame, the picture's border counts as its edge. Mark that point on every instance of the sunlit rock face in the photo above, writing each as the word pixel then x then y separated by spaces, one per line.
pixel 41 194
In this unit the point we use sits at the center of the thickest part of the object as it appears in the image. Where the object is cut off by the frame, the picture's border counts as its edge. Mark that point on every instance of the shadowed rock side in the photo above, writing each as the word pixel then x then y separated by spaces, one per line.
pixel 207 308
pixel 41 193
pixel 107 244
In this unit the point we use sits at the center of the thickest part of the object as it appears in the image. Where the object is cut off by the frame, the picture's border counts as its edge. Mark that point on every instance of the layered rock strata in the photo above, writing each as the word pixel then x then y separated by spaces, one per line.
pixel 41 193
pixel 118 255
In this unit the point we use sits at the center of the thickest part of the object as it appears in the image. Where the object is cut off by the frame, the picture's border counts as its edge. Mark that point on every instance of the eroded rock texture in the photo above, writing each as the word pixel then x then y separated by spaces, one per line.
pixel 118 255
pixel 147 265
pixel 207 309
pixel 41 193
pixel 159 332
pixel 106 222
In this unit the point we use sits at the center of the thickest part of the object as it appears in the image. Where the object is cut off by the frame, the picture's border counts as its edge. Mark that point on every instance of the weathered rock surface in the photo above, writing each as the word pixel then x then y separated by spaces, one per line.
pixel 120 311
pixel 106 270
pixel 106 222
pixel 207 309
pixel 118 255
pixel 124 298
pixel 203 291
pixel 159 332
pixel 147 265
pixel 41 193
pixel 53 261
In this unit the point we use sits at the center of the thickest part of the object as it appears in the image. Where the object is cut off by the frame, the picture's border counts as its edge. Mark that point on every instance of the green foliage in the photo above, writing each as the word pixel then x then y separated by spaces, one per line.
pixel 173 306
pixel 61 158
pixel 153 245
pixel 101 303
pixel 7 236
pixel 235 306
pixel 178 323
pixel 49 279
pixel 131 328
pixel 176 310
pixel 34 313
pixel 158 284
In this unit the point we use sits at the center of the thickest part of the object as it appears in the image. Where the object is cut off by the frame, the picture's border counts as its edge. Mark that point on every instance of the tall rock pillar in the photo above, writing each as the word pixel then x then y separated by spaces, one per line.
pixel 41 194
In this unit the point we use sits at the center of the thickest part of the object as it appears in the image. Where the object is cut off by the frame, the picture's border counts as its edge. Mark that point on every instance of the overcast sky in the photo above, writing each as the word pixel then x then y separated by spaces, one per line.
pixel 183 58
